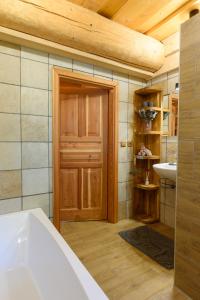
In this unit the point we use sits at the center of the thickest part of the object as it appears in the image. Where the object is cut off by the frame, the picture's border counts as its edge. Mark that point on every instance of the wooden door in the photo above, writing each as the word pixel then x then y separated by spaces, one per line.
pixel 83 152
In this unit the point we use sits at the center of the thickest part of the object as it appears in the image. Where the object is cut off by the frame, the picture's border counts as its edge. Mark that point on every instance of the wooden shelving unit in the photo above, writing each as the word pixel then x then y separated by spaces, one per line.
pixel 146 197
pixel 152 157
pixel 150 187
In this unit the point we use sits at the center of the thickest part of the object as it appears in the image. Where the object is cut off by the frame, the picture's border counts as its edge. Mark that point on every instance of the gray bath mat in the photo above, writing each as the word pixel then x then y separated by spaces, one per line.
pixel 157 246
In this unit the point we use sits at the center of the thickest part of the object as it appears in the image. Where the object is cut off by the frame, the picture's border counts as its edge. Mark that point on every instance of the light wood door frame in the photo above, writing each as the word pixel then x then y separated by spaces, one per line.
pixel 112 88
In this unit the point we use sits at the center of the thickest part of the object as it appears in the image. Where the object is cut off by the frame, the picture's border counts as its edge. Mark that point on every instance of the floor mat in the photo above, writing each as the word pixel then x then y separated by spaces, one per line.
pixel 157 246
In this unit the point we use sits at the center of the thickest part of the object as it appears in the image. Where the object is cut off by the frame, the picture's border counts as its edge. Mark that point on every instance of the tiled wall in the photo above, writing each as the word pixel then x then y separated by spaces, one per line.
pixel 169 149
pixel 26 127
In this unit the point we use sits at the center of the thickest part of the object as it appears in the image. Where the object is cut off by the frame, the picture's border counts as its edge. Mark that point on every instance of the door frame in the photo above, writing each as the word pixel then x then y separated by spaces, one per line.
pixel 112 87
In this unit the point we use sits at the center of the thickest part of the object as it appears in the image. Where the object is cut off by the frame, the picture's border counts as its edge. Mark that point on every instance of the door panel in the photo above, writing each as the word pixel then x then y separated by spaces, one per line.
pixel 69 116
pixel 94 115
pixel 92 188
pixel 69 188
pixel 83 154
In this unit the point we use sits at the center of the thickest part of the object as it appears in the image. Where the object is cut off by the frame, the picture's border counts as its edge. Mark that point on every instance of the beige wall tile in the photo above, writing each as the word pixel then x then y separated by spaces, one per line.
pixel 131 91
pixel 50 129
pixel 166 101
pixel 137 81
pixel 122 172
pixel 171 151
pixel 34 155
pixel 50 103
pixel 160 78
pixel 9 127
pixel 10 205
pixel 34 74
pixel 34 128
pixel 37 201
pixel 34 101
pixel 163 157
pixel 169 216
pixel 122 210
pixel 35 181
pixel 170 197
pixel 10 156
pixel 51 199
pixel 51 77
pixel 130 153
pixel 122 154
pixel 60 61
pixel 10 184
pixel 9 48
pixel 34 54
pixel 50 180
pixel 130 113
pixel 50 154
pixel 162 192
pixel 171 84
pixel 122 191
pixel 9 98
pixel 9 69
pixel 83 67
pixel 129 187
pixel 130 131
pixel 103 72
pixel 129 169
pixel 120 76
pixel 123 132
pixel 173 73
pixel 123 112
pixel 123 91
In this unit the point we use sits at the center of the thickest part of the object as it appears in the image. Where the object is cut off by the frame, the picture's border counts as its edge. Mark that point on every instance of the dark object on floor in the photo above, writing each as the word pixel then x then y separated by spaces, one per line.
pixel 157 246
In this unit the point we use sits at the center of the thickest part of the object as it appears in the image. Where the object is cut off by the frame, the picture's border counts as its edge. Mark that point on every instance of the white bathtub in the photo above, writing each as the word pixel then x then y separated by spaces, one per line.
pixel 37 264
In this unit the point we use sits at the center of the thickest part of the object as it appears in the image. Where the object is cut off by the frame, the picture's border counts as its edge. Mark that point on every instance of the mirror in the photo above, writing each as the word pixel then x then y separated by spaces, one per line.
pixel 170 114
pixel 173 125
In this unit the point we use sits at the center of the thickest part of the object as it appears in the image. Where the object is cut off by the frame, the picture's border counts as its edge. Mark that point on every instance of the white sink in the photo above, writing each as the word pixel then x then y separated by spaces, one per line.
pixel 166 170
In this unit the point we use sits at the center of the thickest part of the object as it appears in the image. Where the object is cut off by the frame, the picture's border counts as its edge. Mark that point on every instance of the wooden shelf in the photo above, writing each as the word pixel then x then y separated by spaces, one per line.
pixel 148 132
pixel 146 91
pixel 166 110
pixel 150 187
pixel 146 219
pixel 156 108
pixel 153 157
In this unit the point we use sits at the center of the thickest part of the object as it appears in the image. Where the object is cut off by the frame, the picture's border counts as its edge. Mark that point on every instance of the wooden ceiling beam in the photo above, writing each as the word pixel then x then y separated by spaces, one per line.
pixel 94 5
pixel 74 26
pixel 111 7
pixel 171 23
pixel 143 15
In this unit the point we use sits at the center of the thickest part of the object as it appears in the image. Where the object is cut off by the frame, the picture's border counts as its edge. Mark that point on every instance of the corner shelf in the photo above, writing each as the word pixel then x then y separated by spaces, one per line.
pixel 146 197
pixel 152 157
pixel 156 108
pixel 147 219
pixel 150 187
pixel 166 110
pixel 148 132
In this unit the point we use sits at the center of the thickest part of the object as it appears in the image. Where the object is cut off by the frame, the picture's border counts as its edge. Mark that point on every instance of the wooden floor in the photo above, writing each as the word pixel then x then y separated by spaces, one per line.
pixel 123 272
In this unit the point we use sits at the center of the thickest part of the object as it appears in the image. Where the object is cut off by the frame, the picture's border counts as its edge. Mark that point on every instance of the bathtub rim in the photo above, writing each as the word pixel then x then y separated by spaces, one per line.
pixel 87 282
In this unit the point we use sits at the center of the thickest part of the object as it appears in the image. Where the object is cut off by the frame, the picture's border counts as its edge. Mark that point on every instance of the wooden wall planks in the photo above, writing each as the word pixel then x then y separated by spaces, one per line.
pixel 187 271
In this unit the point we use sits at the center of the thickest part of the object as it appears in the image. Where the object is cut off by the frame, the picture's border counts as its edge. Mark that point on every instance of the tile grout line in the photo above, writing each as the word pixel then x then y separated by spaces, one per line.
pixel 21 130
pixel 49 70
pixel 25 196
pixel 22 114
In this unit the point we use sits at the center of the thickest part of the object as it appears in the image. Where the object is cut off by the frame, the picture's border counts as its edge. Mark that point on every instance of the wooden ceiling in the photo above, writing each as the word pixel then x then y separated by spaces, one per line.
pixel 157 18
